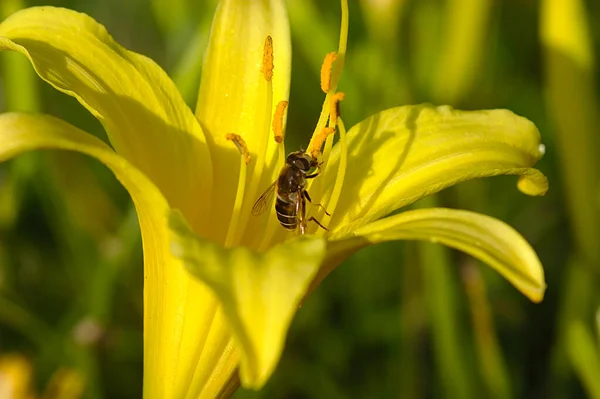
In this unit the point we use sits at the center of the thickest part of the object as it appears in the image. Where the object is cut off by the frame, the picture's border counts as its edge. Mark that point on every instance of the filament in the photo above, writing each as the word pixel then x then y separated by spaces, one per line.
pixel 334 108
pixel 341 172
pixel 335 74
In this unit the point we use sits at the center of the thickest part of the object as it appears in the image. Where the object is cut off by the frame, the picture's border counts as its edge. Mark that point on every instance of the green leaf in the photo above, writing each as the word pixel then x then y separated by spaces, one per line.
pixel 583 353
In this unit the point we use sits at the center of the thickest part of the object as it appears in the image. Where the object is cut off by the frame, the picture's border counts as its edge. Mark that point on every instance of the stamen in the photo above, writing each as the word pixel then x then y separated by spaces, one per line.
pixel 334 110
pixel 240 144
pixel 330 74
pixel 326 69
pixel 317 143
pixel 335 72
pixel 267 62
pixel 241 187
pixel 278 121
pixel 317 187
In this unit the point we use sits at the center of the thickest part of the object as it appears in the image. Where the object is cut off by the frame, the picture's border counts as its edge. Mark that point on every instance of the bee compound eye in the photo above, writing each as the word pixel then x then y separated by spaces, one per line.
pixel 302 164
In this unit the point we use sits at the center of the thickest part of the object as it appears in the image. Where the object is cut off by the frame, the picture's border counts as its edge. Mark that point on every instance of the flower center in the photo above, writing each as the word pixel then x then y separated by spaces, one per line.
pixel 322 139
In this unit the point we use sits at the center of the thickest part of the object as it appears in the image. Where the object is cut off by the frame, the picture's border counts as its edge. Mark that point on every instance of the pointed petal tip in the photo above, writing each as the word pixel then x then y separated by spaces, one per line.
pixel 537 290
pixel 483 237
pixel 537 296
pixel 533 183
pixel 532 283
pixel 414 151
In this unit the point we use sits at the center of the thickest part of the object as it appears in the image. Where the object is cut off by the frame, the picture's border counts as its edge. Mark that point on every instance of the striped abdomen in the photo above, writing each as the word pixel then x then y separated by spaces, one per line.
pixel 286 213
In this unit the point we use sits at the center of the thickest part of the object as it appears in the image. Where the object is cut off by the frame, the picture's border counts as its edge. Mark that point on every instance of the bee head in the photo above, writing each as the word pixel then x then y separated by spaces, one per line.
pixel 301 161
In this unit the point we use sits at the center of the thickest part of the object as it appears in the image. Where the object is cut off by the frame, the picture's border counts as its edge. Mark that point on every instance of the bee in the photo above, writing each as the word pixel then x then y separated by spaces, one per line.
pixel 290 205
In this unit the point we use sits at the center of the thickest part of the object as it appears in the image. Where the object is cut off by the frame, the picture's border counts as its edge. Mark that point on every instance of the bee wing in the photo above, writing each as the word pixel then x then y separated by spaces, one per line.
pixel 263 202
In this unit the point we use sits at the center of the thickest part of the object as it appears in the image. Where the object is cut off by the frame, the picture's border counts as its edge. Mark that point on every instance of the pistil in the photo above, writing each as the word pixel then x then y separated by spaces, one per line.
pixel 232 231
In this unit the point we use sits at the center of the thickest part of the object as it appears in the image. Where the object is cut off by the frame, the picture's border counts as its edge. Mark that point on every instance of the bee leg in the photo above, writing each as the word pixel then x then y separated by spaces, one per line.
pixel 302 227
pixel 301 215
pixel 305 194
pixel 316 173
pixel 312 218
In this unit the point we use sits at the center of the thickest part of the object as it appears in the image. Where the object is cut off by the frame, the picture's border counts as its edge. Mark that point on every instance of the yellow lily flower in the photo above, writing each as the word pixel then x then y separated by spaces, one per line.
pixel 245 276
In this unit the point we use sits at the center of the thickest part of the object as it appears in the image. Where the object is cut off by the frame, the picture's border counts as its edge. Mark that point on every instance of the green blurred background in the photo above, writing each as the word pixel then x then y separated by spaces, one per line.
pixel 402 320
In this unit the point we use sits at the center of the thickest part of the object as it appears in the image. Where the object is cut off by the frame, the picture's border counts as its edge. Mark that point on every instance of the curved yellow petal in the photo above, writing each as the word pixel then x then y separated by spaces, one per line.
pixel 235 97
pixel 144 116
pixel 184 351
pixel 485 238
pixel 260 292
pixel 403 154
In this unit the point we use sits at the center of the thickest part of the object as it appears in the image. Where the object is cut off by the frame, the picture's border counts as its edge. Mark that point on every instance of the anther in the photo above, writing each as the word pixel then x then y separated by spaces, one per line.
pixel 326 71
pixel 318 141
pixel 240 144
pixel 278 121
pixel 334 110
pixel 267 62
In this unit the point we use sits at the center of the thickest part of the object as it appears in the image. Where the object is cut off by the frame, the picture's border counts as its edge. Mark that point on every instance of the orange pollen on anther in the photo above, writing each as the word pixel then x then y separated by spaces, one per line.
pixel 240 144
pixel 267 62
pixel 318 141
pixel 326 71
pixel 278 121
pixel 334 110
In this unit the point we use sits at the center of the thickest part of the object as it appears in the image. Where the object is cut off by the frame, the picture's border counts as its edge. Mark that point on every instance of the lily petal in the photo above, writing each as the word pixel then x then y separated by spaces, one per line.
pixel 485 238
pixel 259 292
pixel 403 154
pixel 235 97
pixel 168 364
pixel 144 115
